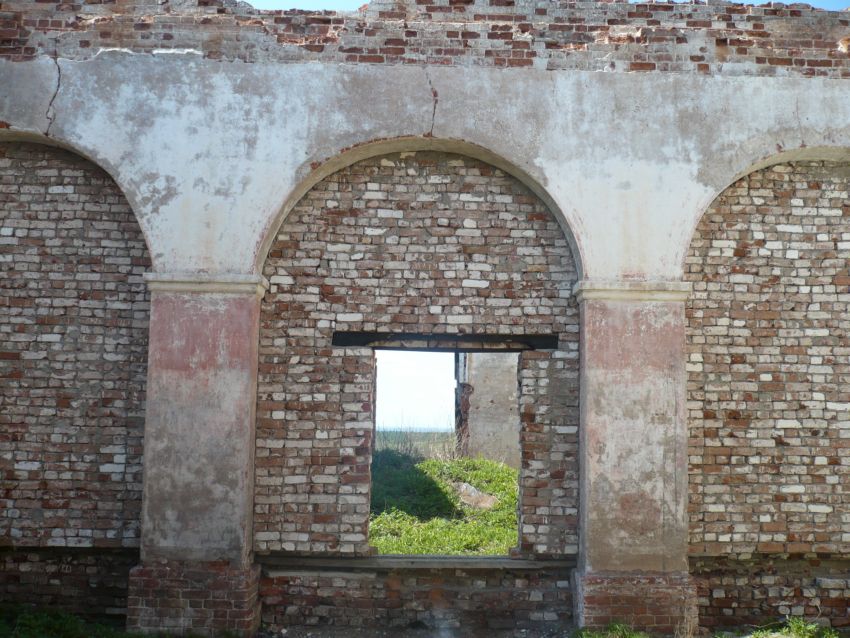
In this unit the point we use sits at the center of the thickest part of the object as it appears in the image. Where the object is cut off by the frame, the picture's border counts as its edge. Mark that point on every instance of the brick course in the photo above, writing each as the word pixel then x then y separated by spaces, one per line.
pixel 73 328
pixel 651 602
pixel 199 598
pixel 417 242
pixel 437 598
pixel 768 372
pixel 90 582
pixel 735 593
pixel 716 38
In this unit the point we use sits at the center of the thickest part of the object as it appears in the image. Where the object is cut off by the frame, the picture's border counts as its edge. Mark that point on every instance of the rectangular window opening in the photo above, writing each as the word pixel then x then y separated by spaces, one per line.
pixel 445 464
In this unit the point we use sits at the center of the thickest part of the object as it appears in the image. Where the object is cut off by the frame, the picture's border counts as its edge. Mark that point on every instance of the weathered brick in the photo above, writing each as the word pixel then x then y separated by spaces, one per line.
pixel 73 322
pixel 345 260
pixel 769 342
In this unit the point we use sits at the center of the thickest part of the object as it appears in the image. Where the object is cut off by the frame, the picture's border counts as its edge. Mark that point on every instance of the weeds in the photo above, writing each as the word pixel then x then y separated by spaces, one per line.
pixel 614 630
pixel 794 627
pixel 24 621
pixel 27 622
pixel 416 508
pixel 418 444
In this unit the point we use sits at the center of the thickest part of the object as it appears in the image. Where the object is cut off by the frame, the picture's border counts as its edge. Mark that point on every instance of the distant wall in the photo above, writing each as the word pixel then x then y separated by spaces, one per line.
pixel 493 417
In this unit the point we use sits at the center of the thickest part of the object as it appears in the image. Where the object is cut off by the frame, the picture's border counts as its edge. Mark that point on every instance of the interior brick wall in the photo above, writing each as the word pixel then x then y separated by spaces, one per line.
pixel 769 365
pixel 414 242
pixel 73 350
pixel 715 38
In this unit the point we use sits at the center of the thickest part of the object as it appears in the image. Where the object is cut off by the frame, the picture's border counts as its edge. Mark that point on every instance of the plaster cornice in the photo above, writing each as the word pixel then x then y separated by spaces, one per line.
pixel 610 290
pixel 207 283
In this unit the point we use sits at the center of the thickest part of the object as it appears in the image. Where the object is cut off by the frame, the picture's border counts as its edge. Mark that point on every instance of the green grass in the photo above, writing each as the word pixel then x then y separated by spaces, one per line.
pixel 24 621
pixel 614 630
pixel 788 628
pixel 18 621
pixel 415 443
pixel 416 509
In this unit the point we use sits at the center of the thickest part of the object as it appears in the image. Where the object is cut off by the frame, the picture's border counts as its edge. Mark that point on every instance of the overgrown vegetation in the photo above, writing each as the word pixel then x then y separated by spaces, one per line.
pixel 614 630
pixel 18 621
pixel 788 628
pixel 24 621
pixel 416 507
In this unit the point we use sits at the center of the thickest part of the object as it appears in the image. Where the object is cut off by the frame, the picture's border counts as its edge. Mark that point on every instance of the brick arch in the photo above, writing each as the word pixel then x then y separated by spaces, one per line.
pixel 375 148
pixel 73 325
pixel 768 372
pixel 424 242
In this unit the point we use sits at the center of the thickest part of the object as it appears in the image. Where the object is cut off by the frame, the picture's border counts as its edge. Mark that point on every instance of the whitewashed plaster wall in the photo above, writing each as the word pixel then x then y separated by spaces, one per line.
pixel 211 155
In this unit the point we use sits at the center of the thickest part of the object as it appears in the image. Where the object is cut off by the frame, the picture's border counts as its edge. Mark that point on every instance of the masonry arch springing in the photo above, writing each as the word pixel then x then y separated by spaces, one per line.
pixel 758 154
pixel 319 170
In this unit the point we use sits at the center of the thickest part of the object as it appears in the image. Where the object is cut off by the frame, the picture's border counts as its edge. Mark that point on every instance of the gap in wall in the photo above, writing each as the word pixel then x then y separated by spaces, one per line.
pixel 446 459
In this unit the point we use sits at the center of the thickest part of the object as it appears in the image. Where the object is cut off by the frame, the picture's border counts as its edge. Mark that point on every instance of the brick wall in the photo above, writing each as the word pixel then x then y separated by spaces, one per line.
pixel 417 242
pixel 434 598
pixel 73 347
pixel 721 39
pixel 735 593
pixel 651 602
pixel 89 582
pixel 194 598
pixel 768 369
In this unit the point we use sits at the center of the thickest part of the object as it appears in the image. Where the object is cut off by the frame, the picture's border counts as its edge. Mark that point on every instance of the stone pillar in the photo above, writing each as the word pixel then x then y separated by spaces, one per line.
pixel 633 530
pixel 196 574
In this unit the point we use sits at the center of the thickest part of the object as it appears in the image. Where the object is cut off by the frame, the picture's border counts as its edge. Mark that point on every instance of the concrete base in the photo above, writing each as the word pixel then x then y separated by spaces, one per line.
pixel 659 603
pixel 196 598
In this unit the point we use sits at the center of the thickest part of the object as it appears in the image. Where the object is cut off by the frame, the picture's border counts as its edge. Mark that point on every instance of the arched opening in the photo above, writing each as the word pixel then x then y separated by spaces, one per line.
pixel 429 243
pixel 768 373
pixel 73 324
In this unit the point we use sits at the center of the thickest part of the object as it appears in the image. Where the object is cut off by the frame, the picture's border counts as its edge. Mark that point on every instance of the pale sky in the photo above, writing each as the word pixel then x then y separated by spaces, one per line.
pixel 353 5
pixel 416 390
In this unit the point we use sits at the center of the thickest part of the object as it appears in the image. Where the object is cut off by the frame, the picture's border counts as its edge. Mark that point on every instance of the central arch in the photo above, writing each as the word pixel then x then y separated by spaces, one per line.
pixel 427 242
pixel 319 170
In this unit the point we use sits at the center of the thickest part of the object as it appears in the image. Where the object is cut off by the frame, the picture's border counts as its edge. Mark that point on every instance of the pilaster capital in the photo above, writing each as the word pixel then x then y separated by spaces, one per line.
pixel 207 283
pixel 629 290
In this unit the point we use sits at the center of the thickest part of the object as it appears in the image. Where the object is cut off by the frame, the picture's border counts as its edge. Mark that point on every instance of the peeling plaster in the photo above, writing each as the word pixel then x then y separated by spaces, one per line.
pixel 211 154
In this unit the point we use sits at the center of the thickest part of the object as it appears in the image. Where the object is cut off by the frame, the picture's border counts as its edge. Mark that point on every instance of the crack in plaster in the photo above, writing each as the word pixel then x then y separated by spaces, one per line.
pixel 435 97
pixel 50 114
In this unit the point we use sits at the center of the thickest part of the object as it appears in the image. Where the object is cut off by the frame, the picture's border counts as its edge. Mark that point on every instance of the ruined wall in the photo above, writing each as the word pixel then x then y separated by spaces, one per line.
pixel 417 242
pixel 768 371
pixel 596 36
pixel 493 418
pixel 209 150
pixel 73 341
